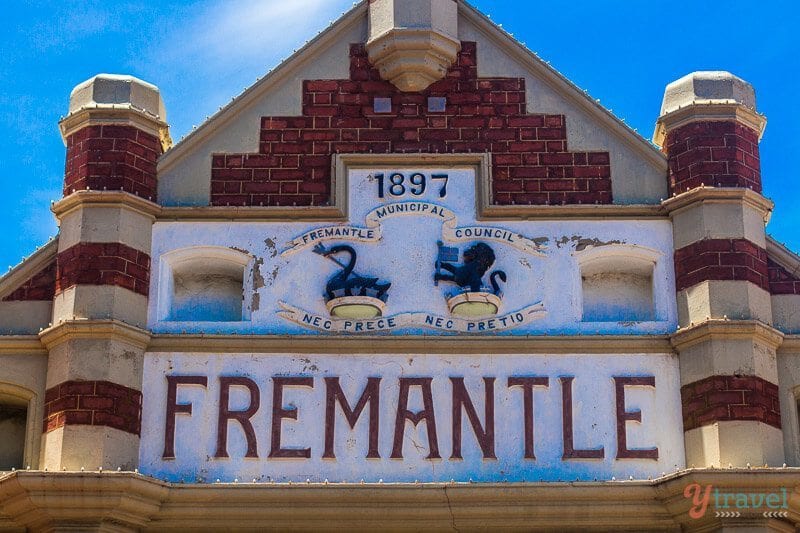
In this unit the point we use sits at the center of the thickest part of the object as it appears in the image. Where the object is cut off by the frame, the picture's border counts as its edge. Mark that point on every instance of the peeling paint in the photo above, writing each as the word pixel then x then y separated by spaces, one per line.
pixel 581 243
pixel 258 278
pixel 406 257
pixel 258 282
pixel 308 365
pixel 271 248
pixel 273 275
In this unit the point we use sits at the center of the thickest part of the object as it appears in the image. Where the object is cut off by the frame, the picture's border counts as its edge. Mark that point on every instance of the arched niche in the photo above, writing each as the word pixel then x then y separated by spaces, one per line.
pixel 204 284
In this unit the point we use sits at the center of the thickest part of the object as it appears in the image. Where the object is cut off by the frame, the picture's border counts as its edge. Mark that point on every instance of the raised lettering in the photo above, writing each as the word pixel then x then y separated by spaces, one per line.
pixel 371 395
pixel 569 444
pixel 484 434
pixel 426 414
pixel 527 384
pixel 279 413
pixel 243 417
pixel 623 417
pixel 173 408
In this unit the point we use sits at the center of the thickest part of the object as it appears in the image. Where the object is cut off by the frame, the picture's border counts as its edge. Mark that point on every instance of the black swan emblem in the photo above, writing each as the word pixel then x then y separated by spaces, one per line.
pixel 347 282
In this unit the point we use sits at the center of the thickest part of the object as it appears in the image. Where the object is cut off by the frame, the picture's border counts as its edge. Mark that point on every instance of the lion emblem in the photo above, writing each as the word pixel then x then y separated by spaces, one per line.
pixel 478 259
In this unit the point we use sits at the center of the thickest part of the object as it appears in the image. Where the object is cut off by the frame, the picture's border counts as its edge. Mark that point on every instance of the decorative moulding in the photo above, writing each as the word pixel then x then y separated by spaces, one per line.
pixel 720 195
pixel 413 43
pixel 94 329
pixel 356 307
pixel 474 304
pixel 727 329
pixel 707 110
pixel 119 100
pixel 412 59
pixel 367 346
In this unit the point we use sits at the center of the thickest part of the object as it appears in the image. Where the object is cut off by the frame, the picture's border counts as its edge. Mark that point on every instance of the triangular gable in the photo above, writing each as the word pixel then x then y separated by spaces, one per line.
pixel 638 169
pixel 33 278
pixel 784 268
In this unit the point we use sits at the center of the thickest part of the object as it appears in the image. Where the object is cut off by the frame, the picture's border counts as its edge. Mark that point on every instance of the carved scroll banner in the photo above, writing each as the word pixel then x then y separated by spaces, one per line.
pixel 411 320
pixel 371 232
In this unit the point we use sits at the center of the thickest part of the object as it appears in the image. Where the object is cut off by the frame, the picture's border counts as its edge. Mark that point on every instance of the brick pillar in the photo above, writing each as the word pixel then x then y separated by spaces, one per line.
pixel 114 132
pixel 709 129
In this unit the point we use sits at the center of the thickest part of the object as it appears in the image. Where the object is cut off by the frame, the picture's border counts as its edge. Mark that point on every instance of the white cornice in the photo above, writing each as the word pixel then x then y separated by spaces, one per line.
pixel 90 198
pixel 709 110
pixel 783 256
pixel 727 329
pixel 94 329
pixel 719 195
pixel 362 345
pixel 28 268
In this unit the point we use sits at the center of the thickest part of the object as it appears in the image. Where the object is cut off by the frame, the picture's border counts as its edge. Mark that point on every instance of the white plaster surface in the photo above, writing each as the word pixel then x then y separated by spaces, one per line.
pixel 718 221
pixel 593 410
pixel 786 312
pixel 25 318
pixel 406 255
pixel 89 447
pixel 734 443
pixel 717 299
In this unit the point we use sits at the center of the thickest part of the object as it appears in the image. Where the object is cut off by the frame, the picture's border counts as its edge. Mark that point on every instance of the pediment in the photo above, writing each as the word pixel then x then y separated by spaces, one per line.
pixel 329 85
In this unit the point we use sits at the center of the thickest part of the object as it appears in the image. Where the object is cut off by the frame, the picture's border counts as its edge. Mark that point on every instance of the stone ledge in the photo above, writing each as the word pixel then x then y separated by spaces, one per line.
pixel 726 329
pixel 39 500
pixel 94 329
pixel 701 195
pixel 361 345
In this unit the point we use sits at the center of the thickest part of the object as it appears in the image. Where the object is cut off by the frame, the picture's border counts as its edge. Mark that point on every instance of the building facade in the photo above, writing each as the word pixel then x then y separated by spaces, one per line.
pixel 414 279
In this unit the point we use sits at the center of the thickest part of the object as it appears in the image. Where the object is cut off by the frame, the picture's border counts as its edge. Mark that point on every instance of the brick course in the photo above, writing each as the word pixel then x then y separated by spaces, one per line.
pixel 103 264
pixel 531 163
pixel 781 281
pixel 93 403
pixel 725 398
pixel 714 154
pixel 721 259
pixel 41 286
pixel 114 158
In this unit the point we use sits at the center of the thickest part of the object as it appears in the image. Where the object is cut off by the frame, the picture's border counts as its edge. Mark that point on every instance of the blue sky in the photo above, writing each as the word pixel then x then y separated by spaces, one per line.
pixel 202 53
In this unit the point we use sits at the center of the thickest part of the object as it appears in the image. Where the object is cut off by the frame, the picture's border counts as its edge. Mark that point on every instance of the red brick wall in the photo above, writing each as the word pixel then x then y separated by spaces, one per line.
pixel 721 259
pixel 714 154
pixel 781 281
pixel 40 287
pixel 721 398
pixel 93 403
pixel 113 158
pixel 531 163
pixel 103 264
